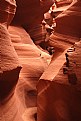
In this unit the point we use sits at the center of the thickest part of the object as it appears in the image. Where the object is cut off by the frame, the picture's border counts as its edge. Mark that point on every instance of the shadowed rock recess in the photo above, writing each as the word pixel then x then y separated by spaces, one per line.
pixel 31 12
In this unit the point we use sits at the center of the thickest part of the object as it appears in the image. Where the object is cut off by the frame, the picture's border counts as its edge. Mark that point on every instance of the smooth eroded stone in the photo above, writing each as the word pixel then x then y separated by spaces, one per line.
pixel 29 15
pixel 9 64
pixel 9 58
pixel 59 95
pixel 9 110
pixel 9 74
pixel 34 62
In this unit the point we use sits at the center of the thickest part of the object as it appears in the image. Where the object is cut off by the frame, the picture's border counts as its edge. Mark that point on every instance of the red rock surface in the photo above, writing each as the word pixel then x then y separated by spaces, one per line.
pixel 68 23
pixel 9 74
pixel 31 12
pixel 54 91
pixel 34 62
pixel 60 96
pixel 60 100
pixel 67 31
pixel 7 11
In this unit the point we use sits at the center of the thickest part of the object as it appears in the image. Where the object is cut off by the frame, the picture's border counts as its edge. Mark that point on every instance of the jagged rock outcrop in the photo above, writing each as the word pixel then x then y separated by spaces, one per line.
pixel 68 27
pixel 59 93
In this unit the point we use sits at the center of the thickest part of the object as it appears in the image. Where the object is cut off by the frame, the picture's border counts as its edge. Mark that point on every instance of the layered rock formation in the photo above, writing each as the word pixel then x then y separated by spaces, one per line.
pixel 55 88
pixel 68 27
pixel 59 87
pixel 7 11
pixel 70 19
pixel 9 65
pixel 30 14
pixel 17 99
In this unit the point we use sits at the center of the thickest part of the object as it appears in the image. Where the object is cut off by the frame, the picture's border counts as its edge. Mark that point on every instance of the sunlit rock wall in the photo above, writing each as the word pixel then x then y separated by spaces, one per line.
pixel 58 92
pixel 34 62
pixel 60 98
